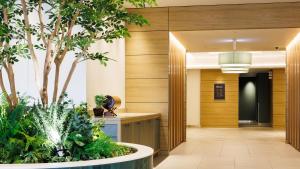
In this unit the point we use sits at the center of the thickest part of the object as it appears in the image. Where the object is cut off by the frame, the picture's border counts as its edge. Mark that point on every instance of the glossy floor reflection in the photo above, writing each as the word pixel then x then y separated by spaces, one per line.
pixel 242 148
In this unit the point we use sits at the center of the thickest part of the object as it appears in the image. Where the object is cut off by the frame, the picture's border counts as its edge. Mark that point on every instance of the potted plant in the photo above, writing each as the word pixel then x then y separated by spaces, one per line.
pixel 100 100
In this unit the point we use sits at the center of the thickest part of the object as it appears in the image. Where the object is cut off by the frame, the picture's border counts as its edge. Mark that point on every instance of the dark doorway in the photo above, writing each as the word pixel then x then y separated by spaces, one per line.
pixel 255 99
pixel 247 99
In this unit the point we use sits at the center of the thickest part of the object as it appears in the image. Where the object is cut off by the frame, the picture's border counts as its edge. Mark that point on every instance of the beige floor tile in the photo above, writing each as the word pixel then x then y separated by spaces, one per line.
pixel 241 148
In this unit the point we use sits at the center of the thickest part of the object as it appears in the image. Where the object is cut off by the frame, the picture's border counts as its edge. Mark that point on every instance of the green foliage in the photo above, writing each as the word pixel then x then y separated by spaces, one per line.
pixel 104 147
pixel 25 134
pixel 100 100
pixel 95 20
pixel 19 137
pixel 12 33
pixel 52 122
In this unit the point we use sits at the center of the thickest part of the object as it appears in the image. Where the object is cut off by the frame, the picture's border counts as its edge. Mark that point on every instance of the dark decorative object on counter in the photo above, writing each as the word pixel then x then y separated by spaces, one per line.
pixel 111 104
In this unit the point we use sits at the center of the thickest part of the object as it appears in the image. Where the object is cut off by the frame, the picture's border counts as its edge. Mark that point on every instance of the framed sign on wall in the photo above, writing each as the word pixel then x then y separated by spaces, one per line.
pixel 219 91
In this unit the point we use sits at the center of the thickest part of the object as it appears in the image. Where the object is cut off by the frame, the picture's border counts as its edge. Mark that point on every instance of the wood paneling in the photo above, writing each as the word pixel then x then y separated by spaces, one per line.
pixel 157 17
pixel 208 97
pixel 219 113
pixel 164 139
pixel 161 108
pixel 147 66
pixel 245 16
pixel 231 86
pixel 148 43
pixel 293 95
pixel 177 114
pixel 218 76
pixel 147 90
pixel 279 97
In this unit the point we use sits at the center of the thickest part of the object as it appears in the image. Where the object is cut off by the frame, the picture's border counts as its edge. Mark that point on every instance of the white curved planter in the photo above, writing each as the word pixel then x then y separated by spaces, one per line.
pixel 142 159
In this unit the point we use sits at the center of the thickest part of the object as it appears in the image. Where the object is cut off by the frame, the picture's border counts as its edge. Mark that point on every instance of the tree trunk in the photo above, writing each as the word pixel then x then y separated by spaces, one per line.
pixel 4 91
pixel 56 81
pixel 31 47
pixel 75 62
pixel 12 83
pixel 47 69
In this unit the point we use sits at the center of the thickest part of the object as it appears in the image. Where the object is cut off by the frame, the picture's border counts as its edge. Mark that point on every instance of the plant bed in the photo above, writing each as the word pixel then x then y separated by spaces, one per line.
pixel 61 134
pixel 141 159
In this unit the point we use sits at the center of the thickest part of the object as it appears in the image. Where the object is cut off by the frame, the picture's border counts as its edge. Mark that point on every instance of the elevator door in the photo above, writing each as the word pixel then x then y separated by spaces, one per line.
pixel 247 99
pixel 263 98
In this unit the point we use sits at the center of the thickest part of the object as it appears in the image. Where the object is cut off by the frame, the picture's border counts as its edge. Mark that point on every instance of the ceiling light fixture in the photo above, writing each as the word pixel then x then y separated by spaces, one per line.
pixel 235 62
pixel 234 71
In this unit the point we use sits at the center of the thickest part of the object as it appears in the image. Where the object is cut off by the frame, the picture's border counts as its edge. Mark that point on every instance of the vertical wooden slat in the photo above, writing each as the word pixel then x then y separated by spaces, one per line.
pixel 293 94
pixel 177 93
pixel 297 95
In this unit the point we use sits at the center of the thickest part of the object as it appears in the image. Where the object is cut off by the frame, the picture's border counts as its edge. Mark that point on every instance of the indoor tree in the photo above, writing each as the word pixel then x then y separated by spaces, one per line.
pixel 61 27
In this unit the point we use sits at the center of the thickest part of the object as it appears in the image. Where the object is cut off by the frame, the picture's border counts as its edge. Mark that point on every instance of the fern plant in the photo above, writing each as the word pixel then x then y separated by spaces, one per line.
pixel 52 122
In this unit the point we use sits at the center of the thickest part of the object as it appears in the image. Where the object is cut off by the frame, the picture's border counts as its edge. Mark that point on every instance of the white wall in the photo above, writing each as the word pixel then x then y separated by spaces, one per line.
pixel 25 79
pixel 193 97
pixel 108 80
pixel 89 79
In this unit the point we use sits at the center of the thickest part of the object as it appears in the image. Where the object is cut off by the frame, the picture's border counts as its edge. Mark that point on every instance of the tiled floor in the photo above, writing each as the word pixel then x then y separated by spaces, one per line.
pixel 243 148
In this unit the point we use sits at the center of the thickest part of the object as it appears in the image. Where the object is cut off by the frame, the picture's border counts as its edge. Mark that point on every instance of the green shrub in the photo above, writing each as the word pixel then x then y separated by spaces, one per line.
pixel 20 140
pixel 25 138
pixel 100 100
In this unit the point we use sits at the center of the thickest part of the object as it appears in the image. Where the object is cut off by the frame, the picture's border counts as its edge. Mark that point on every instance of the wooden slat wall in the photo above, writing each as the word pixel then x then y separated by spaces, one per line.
pixel 219 113
pixel 279 98
pixel 177 114
pixel 147 62
pixel 245 16
pixel 293 95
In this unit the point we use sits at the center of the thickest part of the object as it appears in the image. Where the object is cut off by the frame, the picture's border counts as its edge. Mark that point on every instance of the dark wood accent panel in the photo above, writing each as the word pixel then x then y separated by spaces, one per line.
pixel 177 114
pixel 245 16
pixel 157 17
pixel 293 95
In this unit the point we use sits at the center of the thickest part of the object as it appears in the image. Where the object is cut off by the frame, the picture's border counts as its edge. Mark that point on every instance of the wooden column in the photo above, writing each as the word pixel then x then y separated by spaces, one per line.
pixel 177 78
pixel 293 94
pixel 147 62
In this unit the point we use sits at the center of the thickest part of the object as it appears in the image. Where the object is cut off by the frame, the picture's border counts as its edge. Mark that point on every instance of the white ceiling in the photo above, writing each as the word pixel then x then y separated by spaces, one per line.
pixel 164 3
pixel 248 40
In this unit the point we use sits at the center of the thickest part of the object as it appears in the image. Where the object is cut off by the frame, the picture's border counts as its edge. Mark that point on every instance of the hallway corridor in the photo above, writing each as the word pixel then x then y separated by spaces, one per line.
pixel 242 148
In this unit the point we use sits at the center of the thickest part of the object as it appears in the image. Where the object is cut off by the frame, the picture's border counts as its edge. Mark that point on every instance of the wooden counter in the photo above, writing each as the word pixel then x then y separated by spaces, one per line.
pixel 137 117
pixel 138 128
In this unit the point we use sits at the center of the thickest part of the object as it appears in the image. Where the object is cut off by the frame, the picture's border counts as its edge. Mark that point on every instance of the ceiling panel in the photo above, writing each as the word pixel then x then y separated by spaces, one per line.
pixel 164 3
pixel 248 40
